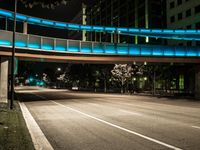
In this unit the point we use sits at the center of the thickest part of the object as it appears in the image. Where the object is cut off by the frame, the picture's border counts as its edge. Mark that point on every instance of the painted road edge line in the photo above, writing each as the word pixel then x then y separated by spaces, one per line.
pixel 121 128
pixel 40 142
pixel 196 127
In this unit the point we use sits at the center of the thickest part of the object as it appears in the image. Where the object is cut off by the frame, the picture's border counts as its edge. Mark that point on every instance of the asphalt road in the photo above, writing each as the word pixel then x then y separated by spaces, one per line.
pixel 88 121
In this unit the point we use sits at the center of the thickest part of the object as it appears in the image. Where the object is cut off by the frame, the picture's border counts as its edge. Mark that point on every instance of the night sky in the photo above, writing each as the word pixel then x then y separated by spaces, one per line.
pixel 60 13
pixel 63 13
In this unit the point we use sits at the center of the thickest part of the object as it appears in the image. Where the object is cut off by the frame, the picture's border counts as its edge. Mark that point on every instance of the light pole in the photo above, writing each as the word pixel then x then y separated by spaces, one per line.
pixel 13 58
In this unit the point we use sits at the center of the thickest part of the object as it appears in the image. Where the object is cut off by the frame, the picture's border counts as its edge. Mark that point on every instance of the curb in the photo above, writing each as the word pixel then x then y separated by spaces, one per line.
pixel 40 142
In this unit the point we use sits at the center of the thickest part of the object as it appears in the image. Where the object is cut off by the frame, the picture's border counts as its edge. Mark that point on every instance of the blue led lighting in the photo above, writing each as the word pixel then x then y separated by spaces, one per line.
pixel 110 49
pixel 60 48
pixel 122 50
pixel 168 31
pixel 47 47
pixel 156 30
pixel 98 28
pixel 146 50
pixel 6 13
pixel 86 27
pixel 157 52
pixel 122 29
pixel 168 51
pixel 85 49
pixel 34 20
pixel 191 31
pixel 145 30
pixel 179 31
pixel 179 52
pixel 5 43
pixel 73 49
pixel 134 30
pixel 110 29
pixel 33 45
pixel 63 25
pixel 134 50
pixel 73 26
pixel 20 44
pixel 47 22
pixel 98 49
pixel 21 17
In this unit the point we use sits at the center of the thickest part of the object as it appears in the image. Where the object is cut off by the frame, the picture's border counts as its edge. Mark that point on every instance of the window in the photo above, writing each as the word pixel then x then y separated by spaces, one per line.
pixel 188 13
pixel 172 5
pixel 189 27
pixel 197 9
pixel 181 82
pixel 180 16
pixel 179 2
pixel 197 25
pixel 172 19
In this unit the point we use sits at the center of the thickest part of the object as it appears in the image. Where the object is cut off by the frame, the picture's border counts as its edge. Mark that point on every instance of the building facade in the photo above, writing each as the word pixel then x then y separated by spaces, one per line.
pixel 80 18
pixel 183 14
pixel 126 13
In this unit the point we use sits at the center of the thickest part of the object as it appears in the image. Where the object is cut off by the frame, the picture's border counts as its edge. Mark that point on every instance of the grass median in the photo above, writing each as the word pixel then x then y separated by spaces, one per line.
pixel 14 134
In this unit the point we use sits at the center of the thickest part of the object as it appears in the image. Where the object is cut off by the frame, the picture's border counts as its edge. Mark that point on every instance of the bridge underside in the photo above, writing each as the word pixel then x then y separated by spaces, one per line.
pixel 50 56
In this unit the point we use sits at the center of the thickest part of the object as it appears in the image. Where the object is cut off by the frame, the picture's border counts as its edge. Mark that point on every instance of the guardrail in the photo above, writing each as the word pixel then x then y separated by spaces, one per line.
pixel 178 34
pixel 41 43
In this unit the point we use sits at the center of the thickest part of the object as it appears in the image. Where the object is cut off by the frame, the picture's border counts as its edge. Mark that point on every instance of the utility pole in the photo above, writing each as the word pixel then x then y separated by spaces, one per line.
pixel 13 58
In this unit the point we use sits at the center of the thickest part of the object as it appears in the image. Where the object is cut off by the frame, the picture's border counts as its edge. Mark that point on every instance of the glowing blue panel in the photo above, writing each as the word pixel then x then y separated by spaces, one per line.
pixel 122 50
pixel 98 49
pixel 5 43
pixel 98 28
pixel 134 30
pixel 5 13
pixel 191 52
pixel 85 49
pixel 157 51
pixel 34 45
pixel 21 17
pixel 20 44
pixel 179 31
pixel 86 27
pixel 47 22
pixel 146 50
pixel 168 31
pixel 134 50
pixel 73 48
pixel 110 49
pixel 168 51
pixel 110 29
pixel 34 20
pixel 47 47
pixel 60 48
pixel 156 31
pixel 122 29
pixel 63 25
pixel 73 26
pixel 145 30
pixel 179 51
pixel 191 31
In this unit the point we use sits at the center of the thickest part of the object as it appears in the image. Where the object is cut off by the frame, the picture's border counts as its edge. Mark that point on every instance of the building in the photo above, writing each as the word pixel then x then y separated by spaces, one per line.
pixel 80 18
pixel 183 14
pixel 126 13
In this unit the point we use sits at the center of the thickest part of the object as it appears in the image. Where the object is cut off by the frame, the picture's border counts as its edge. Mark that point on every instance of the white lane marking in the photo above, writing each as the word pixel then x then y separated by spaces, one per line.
pixel 40 142
pixel 196 127
pixel 121 128
pixel 130 112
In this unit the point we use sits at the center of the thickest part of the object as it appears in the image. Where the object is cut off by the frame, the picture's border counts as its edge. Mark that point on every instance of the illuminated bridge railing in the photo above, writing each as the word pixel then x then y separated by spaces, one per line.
pixel 33 42
pixel 178 34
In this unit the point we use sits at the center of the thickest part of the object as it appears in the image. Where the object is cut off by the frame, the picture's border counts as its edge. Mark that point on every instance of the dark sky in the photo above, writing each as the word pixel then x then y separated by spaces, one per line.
pixel 60 13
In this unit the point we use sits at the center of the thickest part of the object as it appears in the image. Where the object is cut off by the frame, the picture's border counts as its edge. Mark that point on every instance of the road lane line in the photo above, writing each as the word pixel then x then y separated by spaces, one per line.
pixel 121 128
pixel 40 141
pixel 196 127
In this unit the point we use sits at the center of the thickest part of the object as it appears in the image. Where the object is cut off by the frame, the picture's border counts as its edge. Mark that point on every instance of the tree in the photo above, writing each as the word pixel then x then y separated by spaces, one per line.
pixel 122 73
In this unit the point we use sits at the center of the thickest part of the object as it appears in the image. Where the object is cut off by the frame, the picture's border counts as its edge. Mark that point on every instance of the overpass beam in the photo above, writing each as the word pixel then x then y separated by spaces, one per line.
pixel 197 82
pixel 4 79
pixel 25 27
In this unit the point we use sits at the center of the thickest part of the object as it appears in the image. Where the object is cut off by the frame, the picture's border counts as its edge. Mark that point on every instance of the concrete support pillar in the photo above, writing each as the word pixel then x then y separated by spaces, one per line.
pixel 4 79
pixel 197 83
pixel 25 27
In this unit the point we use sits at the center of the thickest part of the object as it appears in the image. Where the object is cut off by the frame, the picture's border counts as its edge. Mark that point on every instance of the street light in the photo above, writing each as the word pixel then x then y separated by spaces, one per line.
pixel 58 69
pixel 13 58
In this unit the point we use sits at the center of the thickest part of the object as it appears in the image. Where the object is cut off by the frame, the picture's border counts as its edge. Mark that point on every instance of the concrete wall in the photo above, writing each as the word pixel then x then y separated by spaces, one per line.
pixel 4 79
